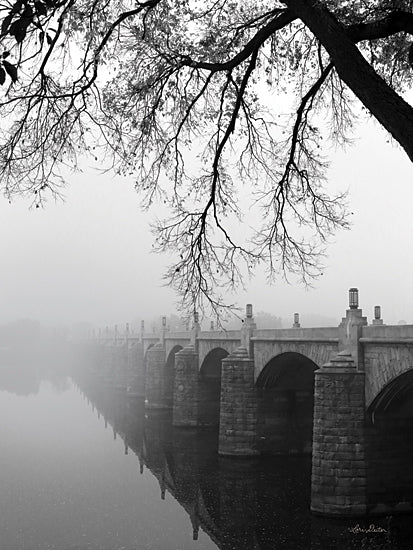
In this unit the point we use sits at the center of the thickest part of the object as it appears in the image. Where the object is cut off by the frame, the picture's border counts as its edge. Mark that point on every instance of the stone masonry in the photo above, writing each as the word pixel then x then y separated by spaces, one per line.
pixel 238 416
pixel 338 484
pixel 185 402
pixel 155 360
pixel 356 363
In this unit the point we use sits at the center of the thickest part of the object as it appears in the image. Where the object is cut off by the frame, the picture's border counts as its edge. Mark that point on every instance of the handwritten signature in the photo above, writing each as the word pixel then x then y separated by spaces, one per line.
pixel 370 529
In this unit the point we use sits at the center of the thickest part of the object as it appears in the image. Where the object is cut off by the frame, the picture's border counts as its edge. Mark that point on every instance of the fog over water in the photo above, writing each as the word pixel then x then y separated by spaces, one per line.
pixel 89 258
pixel 67 484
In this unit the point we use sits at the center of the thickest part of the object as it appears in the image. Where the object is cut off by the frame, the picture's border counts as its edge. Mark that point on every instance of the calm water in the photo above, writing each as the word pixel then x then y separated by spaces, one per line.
pixel 83 468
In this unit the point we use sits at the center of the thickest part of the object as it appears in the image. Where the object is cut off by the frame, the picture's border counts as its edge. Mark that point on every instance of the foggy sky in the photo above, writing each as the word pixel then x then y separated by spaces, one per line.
pixel 89 259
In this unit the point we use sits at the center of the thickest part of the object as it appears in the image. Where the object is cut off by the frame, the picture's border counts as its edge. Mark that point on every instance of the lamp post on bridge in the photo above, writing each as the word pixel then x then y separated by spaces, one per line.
pixel 353 298
pixel 377 316
pixel 296 320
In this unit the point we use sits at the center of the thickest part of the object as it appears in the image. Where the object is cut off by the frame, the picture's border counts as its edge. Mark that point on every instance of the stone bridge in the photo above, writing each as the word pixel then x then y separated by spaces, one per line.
pixel 329 391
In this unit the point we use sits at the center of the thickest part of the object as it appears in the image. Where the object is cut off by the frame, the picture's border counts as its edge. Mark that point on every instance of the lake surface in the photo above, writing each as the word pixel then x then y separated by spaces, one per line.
pixel 84 468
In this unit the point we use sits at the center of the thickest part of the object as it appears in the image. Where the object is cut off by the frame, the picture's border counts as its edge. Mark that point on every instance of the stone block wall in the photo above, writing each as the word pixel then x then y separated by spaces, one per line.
pixel 155 361
pixel 185 402
pixel 338 485
pixel 136 369
pixel 238 409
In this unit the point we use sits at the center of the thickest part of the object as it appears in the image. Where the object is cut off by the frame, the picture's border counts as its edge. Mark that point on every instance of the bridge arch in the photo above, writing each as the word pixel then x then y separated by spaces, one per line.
pixel 395 399
pixel 147 349
pixel 145 359
pixel 285 393
pixel 210 387
pixel 169 376
pixel 383 364
pixel 389 448
pixel 149 343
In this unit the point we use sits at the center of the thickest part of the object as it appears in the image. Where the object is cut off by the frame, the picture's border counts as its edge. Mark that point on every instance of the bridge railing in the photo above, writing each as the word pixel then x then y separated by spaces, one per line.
pixel 220 335
pixel 388 331
pixel 178 335
pixel 320 333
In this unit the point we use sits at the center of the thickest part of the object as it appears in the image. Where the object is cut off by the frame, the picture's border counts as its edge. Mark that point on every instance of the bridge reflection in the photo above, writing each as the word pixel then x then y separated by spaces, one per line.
pixel 249 503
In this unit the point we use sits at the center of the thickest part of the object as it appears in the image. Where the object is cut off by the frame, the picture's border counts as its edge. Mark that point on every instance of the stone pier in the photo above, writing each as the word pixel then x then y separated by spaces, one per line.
pixel 238 415
pixel 155 360
pixel 338 484
pixel 136 369
pixel 185 403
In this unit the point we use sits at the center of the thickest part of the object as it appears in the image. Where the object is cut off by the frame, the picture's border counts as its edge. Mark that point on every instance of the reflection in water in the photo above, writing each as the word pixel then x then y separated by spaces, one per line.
pixel 93 470
pixel 249 503
pixel 25 380
pixel 21 381
pixel 23 368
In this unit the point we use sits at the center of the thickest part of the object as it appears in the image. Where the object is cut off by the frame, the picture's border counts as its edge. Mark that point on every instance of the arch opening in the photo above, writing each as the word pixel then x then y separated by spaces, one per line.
pixel 147 349
pixel 169 376
pixel 389 446
pixel 210 388
pixel 285 389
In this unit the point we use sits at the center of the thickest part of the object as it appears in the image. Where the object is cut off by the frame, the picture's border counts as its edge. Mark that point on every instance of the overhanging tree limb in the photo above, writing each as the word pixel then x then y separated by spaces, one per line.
pixel 180 77
pixel 395 114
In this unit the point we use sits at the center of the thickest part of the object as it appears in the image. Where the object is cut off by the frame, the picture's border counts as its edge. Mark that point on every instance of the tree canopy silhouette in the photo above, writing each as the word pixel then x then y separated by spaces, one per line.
pixel 175 93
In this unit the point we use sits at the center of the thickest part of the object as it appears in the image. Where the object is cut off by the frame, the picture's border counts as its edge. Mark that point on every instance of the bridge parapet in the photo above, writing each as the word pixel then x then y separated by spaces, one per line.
pixel 220 335
pixel 316 334
pixel 179 335
pixel 150 336
pixel 387 332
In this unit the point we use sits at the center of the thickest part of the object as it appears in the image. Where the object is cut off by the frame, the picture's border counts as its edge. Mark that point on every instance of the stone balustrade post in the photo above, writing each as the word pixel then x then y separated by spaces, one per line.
pixel 338 484
pixel 238 412
pixel 186 387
